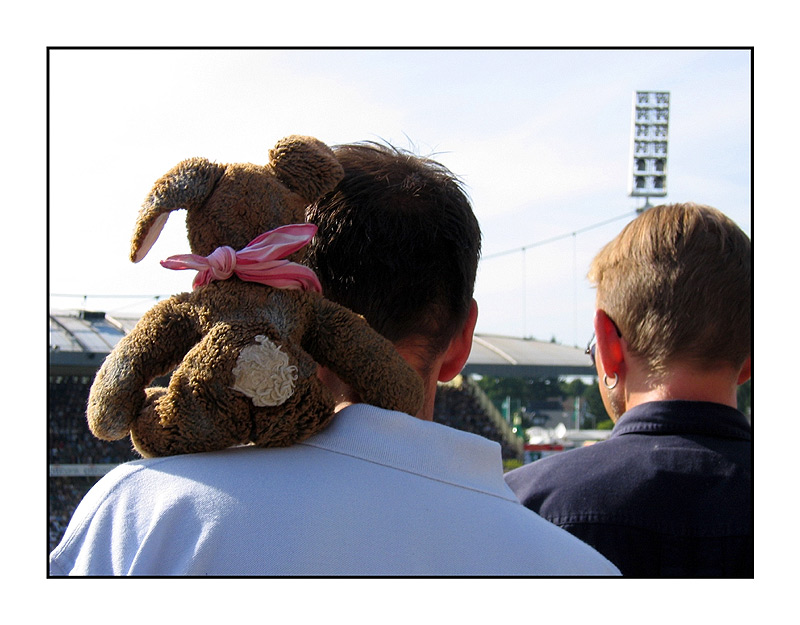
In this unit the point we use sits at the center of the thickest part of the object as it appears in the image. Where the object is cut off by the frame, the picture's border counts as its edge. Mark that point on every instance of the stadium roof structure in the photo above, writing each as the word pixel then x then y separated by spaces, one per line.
pixel 80 340
pixel 505 356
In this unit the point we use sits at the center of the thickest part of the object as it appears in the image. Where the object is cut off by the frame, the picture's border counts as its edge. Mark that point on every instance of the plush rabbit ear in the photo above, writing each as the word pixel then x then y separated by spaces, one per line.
pixel 306 165
pixel 142 243
pixel 187 185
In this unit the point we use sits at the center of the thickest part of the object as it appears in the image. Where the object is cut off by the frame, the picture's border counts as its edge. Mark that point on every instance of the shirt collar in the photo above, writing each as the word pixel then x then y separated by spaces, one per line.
pixel 425 448
pixel 684 417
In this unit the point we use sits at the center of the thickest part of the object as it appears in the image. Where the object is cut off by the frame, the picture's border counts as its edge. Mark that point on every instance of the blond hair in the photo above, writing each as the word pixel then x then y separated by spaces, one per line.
pixel 678 284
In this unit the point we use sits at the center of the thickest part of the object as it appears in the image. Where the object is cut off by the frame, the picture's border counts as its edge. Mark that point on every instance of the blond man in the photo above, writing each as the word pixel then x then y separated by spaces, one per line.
pixel 669 494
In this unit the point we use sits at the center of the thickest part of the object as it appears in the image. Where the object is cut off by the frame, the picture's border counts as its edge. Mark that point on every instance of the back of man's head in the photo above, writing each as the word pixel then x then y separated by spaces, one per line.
pixel 677 282
pixel 397 243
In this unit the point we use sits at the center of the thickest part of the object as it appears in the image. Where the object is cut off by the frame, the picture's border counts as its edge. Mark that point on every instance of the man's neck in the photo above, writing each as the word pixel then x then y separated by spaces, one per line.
pixel 690 384
pixel 344 396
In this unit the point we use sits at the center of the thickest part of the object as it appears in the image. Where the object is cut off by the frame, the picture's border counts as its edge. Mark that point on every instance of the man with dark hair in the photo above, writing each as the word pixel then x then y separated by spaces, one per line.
pixel 399 244
pixel 377 492
pixel 669 494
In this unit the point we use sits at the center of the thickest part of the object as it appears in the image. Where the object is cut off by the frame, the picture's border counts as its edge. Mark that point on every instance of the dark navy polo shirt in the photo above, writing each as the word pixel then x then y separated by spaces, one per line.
pixel 668 494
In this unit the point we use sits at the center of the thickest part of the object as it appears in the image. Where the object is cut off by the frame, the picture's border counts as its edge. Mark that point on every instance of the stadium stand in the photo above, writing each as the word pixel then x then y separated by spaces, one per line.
pixel 63 496
pixel 71 442
pixel 76 458
pixel 462 405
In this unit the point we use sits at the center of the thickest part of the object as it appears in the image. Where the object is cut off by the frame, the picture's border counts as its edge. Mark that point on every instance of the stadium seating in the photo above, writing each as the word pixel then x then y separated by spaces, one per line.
pixel 71 443
pixel 70 440
pixel 462 405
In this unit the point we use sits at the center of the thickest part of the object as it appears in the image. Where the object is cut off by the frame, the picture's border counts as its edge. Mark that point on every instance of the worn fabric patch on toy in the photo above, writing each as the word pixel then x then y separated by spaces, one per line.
pixel 263 373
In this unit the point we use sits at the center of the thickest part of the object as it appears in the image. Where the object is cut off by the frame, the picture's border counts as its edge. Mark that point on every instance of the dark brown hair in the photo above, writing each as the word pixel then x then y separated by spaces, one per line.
pixel 397 243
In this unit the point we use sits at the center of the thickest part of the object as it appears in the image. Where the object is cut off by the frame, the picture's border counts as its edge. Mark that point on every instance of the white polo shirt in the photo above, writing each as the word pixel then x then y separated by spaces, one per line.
pixel 377 493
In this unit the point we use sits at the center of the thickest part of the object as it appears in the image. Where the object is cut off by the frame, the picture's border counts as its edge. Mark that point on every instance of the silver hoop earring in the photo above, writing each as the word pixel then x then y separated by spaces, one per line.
pixel 613 384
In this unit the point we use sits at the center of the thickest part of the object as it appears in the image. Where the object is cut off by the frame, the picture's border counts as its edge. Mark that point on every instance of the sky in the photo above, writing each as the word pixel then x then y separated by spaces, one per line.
pixel 541 139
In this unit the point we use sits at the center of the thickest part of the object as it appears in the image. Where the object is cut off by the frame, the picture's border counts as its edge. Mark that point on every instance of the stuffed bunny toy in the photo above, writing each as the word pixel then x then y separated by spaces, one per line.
pixel 245 344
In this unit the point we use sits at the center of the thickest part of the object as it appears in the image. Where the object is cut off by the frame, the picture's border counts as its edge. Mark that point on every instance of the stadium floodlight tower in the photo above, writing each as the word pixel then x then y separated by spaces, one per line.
pixel 649 139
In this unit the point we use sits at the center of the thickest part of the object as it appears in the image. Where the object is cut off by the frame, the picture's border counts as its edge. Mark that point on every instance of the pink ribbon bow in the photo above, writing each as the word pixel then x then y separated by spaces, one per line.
pixel 263 260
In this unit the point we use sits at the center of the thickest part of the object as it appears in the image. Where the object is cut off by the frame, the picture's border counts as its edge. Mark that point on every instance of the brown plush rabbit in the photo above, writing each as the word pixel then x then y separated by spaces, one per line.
pixel 245 344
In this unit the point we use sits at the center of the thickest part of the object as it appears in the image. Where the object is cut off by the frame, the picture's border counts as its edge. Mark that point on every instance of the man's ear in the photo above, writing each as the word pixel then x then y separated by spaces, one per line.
pixel 609 343
pixel 746 371
pixel 458 351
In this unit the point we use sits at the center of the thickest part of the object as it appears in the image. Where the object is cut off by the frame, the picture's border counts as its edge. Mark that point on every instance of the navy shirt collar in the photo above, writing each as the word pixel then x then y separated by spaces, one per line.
pixel 684 417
